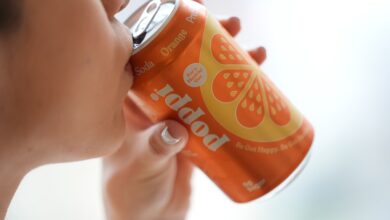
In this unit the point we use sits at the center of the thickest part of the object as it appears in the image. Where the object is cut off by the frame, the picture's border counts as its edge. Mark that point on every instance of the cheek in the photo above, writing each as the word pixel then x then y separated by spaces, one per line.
pixel 72 81
pixel 71 50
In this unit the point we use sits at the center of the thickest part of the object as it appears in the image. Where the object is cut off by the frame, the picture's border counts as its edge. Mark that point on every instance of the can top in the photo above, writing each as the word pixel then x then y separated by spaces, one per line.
pixel 154 17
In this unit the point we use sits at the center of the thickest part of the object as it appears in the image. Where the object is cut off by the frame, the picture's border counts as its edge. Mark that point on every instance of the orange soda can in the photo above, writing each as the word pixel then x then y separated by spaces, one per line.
pixel 243 133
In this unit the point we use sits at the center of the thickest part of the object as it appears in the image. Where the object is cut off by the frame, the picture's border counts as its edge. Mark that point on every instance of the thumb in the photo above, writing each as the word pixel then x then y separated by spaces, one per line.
pixel 165 140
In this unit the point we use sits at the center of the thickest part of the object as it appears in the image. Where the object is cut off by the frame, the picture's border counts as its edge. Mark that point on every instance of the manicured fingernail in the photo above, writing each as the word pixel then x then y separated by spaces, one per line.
pixel 168 138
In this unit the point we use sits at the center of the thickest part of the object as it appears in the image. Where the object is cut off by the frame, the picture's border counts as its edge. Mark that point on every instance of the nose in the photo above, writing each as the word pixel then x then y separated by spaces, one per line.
pixel 114 6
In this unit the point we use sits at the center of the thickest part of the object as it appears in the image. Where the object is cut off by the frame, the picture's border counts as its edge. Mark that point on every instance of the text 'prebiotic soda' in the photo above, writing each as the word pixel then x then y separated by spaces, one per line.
pixel 244 134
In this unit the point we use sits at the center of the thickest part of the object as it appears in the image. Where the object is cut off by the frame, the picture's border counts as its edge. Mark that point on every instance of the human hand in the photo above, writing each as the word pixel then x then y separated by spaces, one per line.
pixel 147 178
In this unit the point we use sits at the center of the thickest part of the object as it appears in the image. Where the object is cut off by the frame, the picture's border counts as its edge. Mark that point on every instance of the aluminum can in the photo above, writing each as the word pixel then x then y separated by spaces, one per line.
pixel 244 134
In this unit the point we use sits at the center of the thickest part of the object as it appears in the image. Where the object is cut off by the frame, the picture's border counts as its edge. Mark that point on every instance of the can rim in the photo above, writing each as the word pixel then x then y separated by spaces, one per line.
pixel 282 186
pixel 138 12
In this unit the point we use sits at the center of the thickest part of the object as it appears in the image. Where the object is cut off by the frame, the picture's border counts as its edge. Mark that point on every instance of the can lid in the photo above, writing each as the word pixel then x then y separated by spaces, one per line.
pixel 153 19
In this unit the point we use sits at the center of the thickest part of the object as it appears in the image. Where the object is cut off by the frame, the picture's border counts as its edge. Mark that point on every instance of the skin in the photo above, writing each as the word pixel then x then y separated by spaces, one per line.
pixel 62 85
pixel 63 97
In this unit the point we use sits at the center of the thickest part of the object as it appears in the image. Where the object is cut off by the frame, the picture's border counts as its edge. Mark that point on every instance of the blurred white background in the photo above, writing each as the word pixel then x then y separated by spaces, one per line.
pixel 332 59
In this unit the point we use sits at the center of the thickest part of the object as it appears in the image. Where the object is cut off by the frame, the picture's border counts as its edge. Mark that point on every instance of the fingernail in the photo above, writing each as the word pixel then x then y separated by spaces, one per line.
pixel 168 138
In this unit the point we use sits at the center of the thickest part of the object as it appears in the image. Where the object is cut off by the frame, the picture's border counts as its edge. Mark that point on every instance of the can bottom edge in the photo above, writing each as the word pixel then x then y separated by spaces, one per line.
pixel 282 185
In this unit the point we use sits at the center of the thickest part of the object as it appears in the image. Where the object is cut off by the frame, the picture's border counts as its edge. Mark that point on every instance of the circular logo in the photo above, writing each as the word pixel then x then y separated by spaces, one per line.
pixel 195 75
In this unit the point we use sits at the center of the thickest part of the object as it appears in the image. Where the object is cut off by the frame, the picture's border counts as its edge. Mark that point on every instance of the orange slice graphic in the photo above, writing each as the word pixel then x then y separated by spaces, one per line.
pixel 228 84
pixel 277 106
pixel 250 111
pixel 240 97
pixel 225 52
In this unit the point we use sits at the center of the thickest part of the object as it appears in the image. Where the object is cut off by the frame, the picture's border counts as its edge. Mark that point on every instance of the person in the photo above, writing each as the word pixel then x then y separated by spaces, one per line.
pixel 63 97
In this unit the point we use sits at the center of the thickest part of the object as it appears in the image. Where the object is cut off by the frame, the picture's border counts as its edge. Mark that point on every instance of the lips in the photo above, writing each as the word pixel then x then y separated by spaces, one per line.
pixel 129 68
pixel 129 42
pixel 129 71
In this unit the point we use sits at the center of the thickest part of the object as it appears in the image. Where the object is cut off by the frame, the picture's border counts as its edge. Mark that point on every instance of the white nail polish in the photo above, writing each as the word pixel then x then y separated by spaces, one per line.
pixel 168 138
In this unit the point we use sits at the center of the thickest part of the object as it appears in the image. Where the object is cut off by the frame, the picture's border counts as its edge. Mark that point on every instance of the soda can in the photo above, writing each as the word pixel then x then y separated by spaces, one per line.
pixel 243 132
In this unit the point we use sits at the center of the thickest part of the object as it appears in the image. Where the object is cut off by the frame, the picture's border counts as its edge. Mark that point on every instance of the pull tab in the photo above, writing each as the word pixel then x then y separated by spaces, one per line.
pixel 145 20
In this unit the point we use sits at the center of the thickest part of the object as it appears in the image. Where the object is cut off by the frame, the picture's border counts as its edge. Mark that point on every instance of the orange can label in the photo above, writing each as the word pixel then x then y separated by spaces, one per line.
pixel 244 133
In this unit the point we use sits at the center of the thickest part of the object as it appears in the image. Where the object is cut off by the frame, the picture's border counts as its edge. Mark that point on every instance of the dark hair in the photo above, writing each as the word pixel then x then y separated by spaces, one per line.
pixel 10 14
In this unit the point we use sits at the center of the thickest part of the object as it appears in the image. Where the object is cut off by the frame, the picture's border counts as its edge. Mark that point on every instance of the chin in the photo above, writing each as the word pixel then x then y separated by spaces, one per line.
pixel 114 136
pixel 106 141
